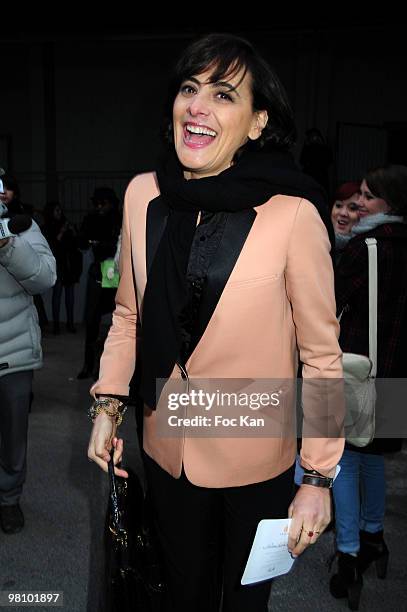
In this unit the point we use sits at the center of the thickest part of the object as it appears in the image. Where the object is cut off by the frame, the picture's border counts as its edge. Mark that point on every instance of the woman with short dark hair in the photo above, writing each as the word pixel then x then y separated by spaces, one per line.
pixel 228 56
pixel 225 266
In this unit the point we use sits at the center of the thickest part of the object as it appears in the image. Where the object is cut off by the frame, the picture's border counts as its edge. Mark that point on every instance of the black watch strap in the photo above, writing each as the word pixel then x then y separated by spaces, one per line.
pixel 317 481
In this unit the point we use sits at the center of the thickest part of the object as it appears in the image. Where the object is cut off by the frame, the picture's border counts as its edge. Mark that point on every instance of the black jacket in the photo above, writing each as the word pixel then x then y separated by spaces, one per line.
pixel 352 293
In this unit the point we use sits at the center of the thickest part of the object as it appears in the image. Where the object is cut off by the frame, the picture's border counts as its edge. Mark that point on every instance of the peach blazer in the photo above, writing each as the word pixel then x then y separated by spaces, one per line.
pixel 277 301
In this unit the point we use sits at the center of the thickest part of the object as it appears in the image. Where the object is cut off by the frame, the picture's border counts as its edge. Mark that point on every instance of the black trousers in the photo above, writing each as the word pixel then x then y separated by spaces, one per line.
pixel 15 393
pixel 206 536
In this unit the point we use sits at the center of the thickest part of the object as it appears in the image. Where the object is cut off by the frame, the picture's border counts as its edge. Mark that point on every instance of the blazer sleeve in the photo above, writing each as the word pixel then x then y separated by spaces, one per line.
pixel 310 289
pixel 118 361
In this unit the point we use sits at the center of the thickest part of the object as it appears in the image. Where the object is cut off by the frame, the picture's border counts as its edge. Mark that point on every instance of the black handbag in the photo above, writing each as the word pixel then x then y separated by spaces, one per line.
pixel 134 581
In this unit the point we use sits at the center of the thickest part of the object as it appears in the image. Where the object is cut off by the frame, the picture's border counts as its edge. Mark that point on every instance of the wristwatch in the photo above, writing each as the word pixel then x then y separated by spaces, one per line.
pixel 314 478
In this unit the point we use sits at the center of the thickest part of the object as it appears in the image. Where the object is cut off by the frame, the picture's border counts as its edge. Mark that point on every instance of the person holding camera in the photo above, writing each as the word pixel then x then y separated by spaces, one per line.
pixel 27 267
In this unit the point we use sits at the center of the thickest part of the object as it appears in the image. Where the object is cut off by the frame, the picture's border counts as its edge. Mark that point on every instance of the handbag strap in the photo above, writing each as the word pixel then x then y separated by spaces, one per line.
pixel 372 254
pixel 114 502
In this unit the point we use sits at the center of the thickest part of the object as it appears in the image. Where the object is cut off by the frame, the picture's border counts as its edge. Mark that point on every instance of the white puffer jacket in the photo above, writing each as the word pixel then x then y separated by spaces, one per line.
pixel 27 267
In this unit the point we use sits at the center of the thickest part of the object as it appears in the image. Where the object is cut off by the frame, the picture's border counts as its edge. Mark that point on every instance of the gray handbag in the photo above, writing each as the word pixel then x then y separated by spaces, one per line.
pixel 359 371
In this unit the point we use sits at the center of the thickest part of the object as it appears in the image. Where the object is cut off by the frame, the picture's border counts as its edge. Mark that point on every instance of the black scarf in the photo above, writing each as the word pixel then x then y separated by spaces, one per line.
pixel 252 181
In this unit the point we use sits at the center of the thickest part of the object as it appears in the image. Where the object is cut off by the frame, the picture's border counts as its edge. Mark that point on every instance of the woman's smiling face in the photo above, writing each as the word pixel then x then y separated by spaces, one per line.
pixel 212 121
pixel 369 204
pixel 345 213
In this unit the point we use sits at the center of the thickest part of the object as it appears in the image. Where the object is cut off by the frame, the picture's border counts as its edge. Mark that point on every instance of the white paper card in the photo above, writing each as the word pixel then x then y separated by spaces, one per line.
pixel 269 556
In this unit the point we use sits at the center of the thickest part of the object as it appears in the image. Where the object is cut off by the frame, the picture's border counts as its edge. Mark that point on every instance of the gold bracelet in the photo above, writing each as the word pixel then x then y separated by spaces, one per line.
pixel 105 405
pixel 104 409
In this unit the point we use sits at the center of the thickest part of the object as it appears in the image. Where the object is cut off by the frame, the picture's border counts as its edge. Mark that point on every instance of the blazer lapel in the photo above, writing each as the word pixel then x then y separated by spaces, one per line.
pixel 238 226
pixel 157 216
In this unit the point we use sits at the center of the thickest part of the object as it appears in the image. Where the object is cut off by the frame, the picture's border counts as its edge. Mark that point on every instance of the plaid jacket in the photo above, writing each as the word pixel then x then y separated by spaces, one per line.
pixel 352 294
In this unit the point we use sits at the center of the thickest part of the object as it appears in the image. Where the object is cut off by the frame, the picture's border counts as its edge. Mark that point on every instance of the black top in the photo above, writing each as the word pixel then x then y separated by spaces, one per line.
pixel 207 237
pixel 175 312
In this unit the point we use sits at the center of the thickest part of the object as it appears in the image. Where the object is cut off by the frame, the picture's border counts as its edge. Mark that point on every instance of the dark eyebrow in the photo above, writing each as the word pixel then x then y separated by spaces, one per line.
pixel 225 84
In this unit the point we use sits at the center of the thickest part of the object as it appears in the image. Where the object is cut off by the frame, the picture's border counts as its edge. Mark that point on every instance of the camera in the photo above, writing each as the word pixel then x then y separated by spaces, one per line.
pixel 15 225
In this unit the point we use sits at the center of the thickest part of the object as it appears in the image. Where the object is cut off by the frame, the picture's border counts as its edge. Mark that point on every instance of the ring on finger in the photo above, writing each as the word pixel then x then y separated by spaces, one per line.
pixel 311 533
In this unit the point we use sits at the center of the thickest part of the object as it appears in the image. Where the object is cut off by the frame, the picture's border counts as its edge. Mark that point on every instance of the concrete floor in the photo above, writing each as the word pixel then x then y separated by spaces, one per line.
pixel 65 498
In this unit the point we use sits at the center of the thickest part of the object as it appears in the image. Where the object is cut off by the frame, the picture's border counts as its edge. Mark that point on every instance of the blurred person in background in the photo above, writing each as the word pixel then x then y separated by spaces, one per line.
pixel 100 231
pixel 316 157
pixel 345 210
pixel 345 214
pixel 63 241
pixel 360 488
